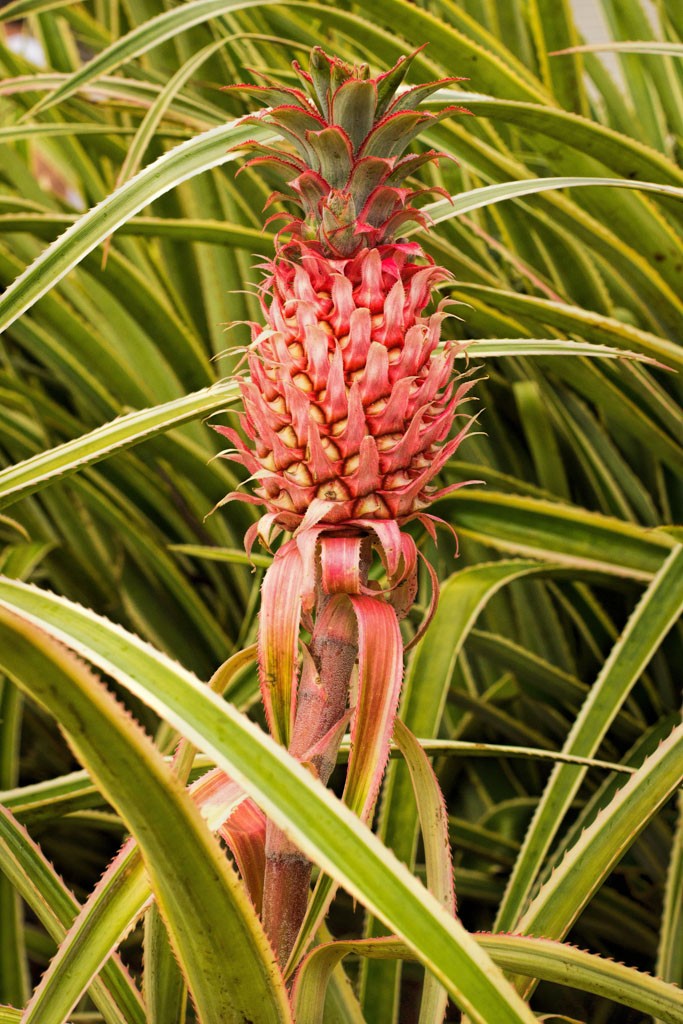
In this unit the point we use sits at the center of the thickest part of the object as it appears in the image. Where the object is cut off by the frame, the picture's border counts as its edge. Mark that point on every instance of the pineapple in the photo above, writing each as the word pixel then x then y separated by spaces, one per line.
pixel 350 399
pixel 347 413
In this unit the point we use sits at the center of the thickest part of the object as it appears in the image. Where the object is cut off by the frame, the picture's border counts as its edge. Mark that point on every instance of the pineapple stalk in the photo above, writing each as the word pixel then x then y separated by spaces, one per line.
pixel 347 416
pixel 319 725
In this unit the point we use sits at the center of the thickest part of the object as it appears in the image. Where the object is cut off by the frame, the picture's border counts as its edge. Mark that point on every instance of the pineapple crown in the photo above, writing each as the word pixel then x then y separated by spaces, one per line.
pixel 349 133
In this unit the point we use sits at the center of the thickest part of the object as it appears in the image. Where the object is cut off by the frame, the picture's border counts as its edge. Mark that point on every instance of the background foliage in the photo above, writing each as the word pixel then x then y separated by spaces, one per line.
pixel 554 628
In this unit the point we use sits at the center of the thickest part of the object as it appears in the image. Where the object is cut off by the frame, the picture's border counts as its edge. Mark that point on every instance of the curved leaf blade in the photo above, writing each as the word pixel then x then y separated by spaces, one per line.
pixel 539 958
pixel 210 149
pixel 324 828
pixel 658 609
pixel 621 153
pixel 462 598
pixel 586 865
pixel 191 877
pixel 30 475
pixel 477 198
pixel 145 37
pixel 56 908
pixel 655 48
pixel 546 530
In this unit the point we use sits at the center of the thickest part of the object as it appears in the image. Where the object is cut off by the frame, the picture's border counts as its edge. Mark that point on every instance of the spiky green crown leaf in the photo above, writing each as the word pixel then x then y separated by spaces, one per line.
pixel 347 164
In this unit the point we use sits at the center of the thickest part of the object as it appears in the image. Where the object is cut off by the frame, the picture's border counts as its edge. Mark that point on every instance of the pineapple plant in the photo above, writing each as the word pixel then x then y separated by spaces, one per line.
pixel 348 410
pixel 597 437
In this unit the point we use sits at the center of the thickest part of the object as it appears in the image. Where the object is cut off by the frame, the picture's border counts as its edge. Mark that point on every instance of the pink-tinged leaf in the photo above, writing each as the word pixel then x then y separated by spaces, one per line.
pixel 288 168
pixel 310 189
pixel 353 105
pixel 402 595
pixel 433 601
pixel 245 834
pixel 340 559
pixel 389 81
pixel 272 95
pixel 315 512
pixel 334 152
pixel 433 816
pixel 388 135
pixel 367 174
pixel 431 522
pixel 445 491
pixel 217 796
pixel 407 165
pixel 265 530
pixel 307 544
pixel 409 555
pixel 321 718
pixel 380 673
pixel 278 640
pixel 388 534
pixel 322 756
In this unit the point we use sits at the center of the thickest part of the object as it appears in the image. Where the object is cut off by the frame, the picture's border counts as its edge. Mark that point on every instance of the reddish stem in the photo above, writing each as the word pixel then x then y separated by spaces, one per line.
pixel 321 705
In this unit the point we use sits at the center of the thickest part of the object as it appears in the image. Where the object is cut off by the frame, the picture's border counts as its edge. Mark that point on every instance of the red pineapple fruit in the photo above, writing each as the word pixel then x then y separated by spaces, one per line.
pixel 350 399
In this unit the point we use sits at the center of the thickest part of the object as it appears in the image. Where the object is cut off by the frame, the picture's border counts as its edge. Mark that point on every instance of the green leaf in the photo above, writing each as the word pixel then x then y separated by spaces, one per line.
pixel 145 37
pixel 44 225
pixel 566 965
pixel 465 45
pixel 149 125
pixel 326 830
pixel 552 25
pixel 21 8
pixel 439 868
pixel 539 958
pixel 114 906
pixel 540 435
pixel 670 952
pixel 39 470
pixel 593 326
pixel 195 114
pixel 490 348
pixel 163 986
pixel 463 596
pixel 65 794
pixel 190 158
pixel 585 541
pixel 233 555
pixel 190 875
pixel 600 846
pixel 14 974
pixel 656 48
pixel 112 909
pixel 477 198
pixel 623 154
pixel 658 609
pixel 28 132
pixel 55 907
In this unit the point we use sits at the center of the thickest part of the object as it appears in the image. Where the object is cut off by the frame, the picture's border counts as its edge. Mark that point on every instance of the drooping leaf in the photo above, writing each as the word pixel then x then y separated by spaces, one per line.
pixel 323 828
pixel 189 874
